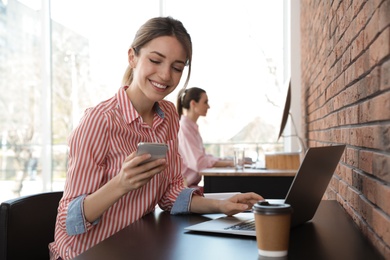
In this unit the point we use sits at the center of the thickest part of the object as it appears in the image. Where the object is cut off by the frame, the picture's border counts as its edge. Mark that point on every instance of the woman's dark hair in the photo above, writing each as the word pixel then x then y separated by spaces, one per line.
pixel 157 27
pixel 185 96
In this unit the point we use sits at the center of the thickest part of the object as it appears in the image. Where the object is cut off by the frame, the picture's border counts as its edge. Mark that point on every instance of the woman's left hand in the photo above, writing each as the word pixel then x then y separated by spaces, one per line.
pixel 239 203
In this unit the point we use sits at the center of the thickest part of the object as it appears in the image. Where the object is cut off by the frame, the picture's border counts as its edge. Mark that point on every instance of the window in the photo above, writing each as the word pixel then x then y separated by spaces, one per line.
pixel 238 59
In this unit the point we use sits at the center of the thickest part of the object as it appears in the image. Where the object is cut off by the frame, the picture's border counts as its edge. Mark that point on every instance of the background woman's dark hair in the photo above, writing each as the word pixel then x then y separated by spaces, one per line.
pixel 157 27
pixel 185 96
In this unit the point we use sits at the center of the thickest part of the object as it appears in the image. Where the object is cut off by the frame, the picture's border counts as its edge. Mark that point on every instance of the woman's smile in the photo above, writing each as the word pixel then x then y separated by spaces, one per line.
pixel 158 85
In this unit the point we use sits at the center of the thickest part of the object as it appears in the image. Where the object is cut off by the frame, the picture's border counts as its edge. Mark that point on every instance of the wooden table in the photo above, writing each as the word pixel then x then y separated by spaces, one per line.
pixel 331 235
pixel 271 184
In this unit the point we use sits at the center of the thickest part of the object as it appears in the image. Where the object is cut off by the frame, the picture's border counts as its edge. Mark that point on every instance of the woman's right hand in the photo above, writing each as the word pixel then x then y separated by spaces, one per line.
pixel 133 176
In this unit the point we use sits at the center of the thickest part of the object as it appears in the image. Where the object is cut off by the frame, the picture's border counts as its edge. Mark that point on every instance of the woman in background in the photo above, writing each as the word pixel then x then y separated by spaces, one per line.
pixel 191 104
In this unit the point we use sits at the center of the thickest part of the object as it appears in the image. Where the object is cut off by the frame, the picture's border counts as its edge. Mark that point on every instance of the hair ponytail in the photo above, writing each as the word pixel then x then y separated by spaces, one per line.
pixel 179 101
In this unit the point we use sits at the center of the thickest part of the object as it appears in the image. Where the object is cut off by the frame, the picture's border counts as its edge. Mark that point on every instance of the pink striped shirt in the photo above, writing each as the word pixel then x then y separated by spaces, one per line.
pixel 107 134
pixel 192 150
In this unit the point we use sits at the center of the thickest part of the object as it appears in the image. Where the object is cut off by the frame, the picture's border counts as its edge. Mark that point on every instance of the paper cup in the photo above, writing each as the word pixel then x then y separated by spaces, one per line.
pixel 272 228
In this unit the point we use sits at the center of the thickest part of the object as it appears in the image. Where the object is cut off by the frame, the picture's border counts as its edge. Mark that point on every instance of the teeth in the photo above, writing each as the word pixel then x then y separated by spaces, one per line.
pixel 158 85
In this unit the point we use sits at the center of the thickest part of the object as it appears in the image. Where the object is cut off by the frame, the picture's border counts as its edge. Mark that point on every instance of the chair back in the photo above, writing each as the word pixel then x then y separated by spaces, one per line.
pixel 27 226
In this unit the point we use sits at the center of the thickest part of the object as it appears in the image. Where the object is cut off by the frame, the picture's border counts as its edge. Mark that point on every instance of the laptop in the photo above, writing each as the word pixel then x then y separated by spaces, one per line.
pixel 305 194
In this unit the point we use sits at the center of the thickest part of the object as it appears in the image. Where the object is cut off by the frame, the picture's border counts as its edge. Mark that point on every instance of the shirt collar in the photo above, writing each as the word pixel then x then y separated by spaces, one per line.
pixel 129 111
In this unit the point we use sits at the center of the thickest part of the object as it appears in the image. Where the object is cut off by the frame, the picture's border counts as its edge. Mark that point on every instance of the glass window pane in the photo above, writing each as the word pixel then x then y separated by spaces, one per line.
pixel 20 81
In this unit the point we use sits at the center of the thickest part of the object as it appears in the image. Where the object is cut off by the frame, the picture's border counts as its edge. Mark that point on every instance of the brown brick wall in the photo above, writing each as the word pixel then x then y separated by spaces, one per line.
pixel 346 99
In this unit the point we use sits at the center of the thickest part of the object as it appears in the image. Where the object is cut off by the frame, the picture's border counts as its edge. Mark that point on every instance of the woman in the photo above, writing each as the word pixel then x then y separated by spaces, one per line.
pixel 191 104
pixel 107 188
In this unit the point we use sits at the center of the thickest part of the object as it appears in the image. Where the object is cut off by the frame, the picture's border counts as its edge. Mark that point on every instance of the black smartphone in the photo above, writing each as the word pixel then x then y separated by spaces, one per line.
pixel 157 150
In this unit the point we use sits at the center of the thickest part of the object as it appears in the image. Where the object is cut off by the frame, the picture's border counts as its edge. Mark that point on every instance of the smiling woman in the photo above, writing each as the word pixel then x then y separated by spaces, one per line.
pixel 98 179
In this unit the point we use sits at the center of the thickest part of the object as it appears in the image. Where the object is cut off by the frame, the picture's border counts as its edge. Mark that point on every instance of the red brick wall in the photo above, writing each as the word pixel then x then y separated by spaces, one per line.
pixel 346 99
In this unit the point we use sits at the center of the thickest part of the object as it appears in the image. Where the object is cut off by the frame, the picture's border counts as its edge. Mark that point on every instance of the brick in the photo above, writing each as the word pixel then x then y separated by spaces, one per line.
pixel 357 46
pixel 371 30
pixel 356 6
pixel 375 109
pixel 353 138
pixel 380 48
pixel 384 17
pixel 345 136
pixel 343 20
pixel 381 224
pixel 351 157
pixel 357 180
pixel 385 76
pixel 365 161
pixel 340 48
pixel 332 24
pixel 371 83
pixel 338 100
pixel 341 118
pixel 352 115
pixel 382 137
pixel 361 17
pixel 343 189
pixel 354 92
pixel 381 166
pixel 369 188
pixel 361 65
pixel 349 75
pixel 377 193
pixel 362 136
pixel 345 60
pixel 353 199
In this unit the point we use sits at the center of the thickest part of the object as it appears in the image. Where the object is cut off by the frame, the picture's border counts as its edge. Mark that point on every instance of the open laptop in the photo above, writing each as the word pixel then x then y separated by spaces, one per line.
pixel 304 195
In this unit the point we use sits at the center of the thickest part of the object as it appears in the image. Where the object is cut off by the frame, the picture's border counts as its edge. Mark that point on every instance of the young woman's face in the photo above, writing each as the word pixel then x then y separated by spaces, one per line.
pixel 202 106
pixel 158 67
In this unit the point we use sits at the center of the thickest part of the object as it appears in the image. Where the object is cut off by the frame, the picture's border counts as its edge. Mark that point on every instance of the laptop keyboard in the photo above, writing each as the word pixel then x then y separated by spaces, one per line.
pixel 246 225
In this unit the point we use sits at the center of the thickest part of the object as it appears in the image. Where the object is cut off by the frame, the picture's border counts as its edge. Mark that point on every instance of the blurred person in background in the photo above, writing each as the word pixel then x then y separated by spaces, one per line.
pixel 191 104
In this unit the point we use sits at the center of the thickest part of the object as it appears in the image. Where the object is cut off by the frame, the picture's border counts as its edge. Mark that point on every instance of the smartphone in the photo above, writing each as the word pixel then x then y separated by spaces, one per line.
pixel 157 150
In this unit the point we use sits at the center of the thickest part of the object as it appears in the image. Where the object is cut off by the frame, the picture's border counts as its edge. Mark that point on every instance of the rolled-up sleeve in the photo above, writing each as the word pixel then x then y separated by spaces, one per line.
pixel 183 201
pixel 75 221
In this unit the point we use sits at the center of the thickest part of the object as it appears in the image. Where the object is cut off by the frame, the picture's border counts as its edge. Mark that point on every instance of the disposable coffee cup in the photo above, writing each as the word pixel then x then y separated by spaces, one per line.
pixel 272 222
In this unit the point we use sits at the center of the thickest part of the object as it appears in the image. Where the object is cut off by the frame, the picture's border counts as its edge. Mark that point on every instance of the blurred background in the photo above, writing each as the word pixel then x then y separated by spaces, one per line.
pixel 59 57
